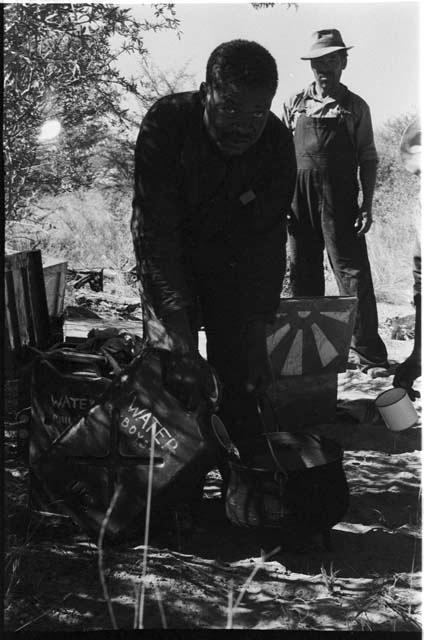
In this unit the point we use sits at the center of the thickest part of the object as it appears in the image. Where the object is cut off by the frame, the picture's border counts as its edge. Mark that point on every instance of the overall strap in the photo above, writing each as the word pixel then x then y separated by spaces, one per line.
pixel 346 116
pixel 298 106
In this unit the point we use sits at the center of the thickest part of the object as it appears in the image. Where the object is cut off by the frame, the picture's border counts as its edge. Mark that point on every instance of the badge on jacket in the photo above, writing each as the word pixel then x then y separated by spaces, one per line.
pixel 247 197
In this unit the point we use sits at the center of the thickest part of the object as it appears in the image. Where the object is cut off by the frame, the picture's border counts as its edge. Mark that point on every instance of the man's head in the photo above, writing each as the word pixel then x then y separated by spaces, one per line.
pixel 328 70
pixel 241 81
pixel 328 56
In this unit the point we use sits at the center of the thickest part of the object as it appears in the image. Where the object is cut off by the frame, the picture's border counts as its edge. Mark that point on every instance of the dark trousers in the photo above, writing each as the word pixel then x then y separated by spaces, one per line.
pixel 225 322
pixel 325 207
pixel 315 230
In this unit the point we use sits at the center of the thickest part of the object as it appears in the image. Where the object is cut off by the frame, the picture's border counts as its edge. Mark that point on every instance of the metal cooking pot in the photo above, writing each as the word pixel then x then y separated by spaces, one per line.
pixel 292 481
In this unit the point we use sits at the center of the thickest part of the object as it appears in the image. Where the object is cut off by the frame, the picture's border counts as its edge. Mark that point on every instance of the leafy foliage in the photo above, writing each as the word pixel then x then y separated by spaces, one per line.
pixel 116 155
pixel 157 82
pixel 388 138
pixel 88 228
pixel 396 213
pixel 59 63
pixel 396 216
pixel 397 191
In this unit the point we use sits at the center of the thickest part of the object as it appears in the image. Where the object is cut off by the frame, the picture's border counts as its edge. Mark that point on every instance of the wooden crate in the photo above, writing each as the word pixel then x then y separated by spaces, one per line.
pixel 302 401
pixel 54 272
pixel 26 321
pixel 26 311
pixel 308 346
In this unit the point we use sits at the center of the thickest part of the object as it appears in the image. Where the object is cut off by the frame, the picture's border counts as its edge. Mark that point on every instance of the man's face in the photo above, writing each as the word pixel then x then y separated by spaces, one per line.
pixel 235 116
pixel 328 70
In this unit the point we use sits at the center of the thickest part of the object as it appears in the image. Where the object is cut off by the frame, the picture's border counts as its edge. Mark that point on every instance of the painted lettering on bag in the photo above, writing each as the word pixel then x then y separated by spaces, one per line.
pixel 140 422
pixel 136 411
pixel 61 420
pixel 70 402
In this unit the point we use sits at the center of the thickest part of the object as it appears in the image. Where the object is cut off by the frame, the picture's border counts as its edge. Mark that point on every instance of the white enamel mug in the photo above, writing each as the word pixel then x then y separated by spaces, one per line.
pixel 396 409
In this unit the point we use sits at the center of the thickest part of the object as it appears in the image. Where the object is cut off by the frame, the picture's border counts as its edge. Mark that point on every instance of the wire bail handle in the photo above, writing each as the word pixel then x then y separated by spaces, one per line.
pixel 260 409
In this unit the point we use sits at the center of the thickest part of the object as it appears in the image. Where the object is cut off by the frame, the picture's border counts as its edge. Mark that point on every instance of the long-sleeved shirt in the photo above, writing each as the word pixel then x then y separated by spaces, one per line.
pixel 199 214
pixel 353 107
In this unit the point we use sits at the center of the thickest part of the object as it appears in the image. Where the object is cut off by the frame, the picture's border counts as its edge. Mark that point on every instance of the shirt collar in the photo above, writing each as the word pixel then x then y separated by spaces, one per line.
pixel 312 93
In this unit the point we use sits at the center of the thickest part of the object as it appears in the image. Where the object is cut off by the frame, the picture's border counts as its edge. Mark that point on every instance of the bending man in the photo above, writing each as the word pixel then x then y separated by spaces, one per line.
pixel 214 178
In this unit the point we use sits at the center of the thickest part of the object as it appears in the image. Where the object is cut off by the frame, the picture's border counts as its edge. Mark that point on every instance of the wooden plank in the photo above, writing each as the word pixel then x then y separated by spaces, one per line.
pixel 16 261
pixel 28 306
pixel 38 299
pixel 26 312
pixel 52 262
pixel 21 309
pixel 55 281
pixel 61 293
pixel 55 311
pixel 303 401
pixel 12 321
pixel 52 283
pixel 13 265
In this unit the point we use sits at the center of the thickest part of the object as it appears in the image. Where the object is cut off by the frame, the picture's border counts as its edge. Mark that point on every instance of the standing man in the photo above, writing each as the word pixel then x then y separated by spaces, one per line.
pixel 333 137
pixel 214 179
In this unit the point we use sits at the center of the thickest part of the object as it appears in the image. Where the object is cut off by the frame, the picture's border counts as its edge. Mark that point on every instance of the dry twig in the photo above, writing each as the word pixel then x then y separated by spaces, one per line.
pixel 100 555
pixel 142 589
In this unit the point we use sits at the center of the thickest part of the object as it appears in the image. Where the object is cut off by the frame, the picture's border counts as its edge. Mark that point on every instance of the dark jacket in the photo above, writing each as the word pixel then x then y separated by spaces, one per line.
pixel 197 214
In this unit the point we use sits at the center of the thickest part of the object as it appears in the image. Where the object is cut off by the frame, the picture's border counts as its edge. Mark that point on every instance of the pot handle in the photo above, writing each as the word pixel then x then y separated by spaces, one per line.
pixel 262 400
pixel 260 409
pixel 223 438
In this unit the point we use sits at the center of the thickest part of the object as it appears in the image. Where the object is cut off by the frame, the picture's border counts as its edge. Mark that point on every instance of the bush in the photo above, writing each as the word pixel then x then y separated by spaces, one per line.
pixel 396 213
pixel 396 216
pixel 87 228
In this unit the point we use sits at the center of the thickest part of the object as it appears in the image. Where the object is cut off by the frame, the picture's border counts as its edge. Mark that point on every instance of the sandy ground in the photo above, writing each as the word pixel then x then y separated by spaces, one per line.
pixel 370 579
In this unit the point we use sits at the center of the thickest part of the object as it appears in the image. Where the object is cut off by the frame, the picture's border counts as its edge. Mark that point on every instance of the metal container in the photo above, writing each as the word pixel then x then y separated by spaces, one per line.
pixel 294 482
pixel 396 409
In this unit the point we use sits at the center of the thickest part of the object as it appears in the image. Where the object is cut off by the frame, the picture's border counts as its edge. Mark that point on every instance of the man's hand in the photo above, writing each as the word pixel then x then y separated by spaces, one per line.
pixel 364 221
pixel 290 222
pixel 190 379
pixel 406 374
pixel 259 374
pixel 178 328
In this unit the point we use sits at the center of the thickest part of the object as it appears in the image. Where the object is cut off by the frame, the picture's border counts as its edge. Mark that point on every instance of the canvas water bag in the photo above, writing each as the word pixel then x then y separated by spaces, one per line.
pixel 65 384
pixel 110 447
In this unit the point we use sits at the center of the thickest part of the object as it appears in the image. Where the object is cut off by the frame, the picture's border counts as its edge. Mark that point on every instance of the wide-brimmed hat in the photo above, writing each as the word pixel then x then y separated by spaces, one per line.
pixel 324 42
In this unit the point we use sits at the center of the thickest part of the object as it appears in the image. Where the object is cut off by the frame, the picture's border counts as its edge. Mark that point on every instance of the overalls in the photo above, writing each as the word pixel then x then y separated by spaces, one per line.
pixel 325 207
